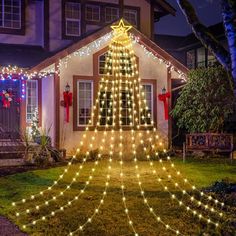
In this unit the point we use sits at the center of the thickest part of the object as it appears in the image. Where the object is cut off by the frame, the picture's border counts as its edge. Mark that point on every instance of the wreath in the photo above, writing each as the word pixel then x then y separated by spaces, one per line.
pixel 6 98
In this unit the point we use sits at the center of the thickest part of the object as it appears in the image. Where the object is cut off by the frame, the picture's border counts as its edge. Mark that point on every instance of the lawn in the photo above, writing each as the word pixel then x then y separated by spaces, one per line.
pixel 111 219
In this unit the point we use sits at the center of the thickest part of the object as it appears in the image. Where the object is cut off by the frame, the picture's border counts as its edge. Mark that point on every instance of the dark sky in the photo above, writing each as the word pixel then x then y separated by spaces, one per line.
pixel 207 10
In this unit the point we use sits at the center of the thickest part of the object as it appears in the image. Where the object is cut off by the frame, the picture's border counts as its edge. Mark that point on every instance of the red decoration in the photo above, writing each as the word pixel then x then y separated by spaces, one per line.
pixel 164 98
pixel 6 97
pixel 67 103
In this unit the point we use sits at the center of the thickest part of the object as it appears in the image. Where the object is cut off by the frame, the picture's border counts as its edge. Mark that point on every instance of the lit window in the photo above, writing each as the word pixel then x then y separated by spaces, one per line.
pixel 92 13
pixel 31 99
pixel 191 59
pixel 211 60
pixel 72 19
pixel 131 16
pixel 103 63
pixel 146 115
pixel 126 106
pixel 10 14
pixel 85 101
pixel 106 106
pixel 201 57
pixel 111 14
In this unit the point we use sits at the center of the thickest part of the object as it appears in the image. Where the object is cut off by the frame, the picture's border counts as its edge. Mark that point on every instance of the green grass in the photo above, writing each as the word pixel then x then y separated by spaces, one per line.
pixel 111 219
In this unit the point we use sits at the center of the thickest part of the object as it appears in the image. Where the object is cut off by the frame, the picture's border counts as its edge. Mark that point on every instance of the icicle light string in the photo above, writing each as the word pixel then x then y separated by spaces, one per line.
pixel 134 153
pixel 61 208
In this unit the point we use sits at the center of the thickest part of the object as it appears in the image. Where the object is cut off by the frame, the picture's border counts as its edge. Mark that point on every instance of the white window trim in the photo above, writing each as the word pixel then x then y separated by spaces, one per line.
pixel 111 8
pixel 93 6
pixel 3 19
pixel 75 20
pixel 99 64
pixel 92 96
pixel 37 98
pixel 136 15
pixel 152 105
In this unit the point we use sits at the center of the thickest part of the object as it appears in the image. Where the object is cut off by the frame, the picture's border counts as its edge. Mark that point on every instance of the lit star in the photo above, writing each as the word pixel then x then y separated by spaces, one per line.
pixel 121 27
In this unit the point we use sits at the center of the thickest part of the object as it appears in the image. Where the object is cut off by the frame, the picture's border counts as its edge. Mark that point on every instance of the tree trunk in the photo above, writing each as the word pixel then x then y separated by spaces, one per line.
pixel 203 34
pixel 229 20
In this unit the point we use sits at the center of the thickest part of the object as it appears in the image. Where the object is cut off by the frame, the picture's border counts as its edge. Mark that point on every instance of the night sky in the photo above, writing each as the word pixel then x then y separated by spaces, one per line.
pixel 207 10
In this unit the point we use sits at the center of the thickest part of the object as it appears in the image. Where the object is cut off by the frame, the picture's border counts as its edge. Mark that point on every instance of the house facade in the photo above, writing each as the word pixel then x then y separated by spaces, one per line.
pixel 67 42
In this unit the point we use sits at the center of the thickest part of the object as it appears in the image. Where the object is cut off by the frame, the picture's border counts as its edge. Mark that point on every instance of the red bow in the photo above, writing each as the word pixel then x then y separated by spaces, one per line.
pixel 67 103
pixel 163 97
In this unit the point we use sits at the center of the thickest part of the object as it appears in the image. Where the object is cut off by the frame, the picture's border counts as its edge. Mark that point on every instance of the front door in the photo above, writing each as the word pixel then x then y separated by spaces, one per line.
pixel 10 113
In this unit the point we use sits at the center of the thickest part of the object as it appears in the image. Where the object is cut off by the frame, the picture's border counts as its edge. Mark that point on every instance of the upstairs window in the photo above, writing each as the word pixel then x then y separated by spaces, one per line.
pixel 191 59
pixel 10 14
pixel 111 14
pixel 92 13
pixel 131 15
pixel 72 19
pixel 201 57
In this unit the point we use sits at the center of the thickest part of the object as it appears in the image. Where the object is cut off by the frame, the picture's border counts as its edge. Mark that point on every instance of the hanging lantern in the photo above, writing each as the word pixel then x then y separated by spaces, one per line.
pixel 164 96
pixel 67 102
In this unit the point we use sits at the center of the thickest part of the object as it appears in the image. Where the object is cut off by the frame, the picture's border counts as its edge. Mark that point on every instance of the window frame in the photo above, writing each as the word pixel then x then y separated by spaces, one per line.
pixel 143 83
pixel 132 8
pixel 77 99
pixel 93 6
pixel 16 31
pixel 111 7
pixel 37 99
pixel 65 35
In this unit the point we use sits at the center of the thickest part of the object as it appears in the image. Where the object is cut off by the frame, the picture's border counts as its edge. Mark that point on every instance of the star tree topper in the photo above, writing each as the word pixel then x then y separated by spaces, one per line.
pixel 121 28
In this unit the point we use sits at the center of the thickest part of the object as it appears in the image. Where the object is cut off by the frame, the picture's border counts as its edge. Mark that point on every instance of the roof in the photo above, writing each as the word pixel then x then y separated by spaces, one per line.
pixel 165 6
pixel 23 56
pixel 172 42
pixel 150 45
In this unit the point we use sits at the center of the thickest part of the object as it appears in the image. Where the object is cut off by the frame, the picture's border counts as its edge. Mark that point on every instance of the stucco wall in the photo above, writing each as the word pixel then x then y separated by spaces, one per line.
pixel 33 27
pixel 149 69
pixel 48 106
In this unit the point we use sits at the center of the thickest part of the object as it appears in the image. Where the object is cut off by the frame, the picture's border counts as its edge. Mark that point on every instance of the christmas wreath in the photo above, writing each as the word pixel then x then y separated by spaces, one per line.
pixel 6 98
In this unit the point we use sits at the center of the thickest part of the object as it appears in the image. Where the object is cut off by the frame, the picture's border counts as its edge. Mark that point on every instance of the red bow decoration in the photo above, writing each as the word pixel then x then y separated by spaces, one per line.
pixel 164 98
pixel 67 103
pixel 6 97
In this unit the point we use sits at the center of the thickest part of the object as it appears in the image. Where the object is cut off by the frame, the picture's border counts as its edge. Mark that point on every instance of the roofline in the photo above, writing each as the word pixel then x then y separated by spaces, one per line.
pixel 154 48
pixel 166 6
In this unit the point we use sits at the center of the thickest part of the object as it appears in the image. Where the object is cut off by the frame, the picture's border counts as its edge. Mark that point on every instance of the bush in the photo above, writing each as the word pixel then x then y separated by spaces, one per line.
pixel 206 101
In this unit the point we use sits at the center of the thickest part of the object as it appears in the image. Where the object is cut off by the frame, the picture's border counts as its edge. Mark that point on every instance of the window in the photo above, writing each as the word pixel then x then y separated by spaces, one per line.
pixel 102 64
pixel 31 99
pixel 201 57
pixel 126 106
pixel 191 59
pixel 131 16
pixel 146 115
pixel 92 13
pixel 10 14
pixel 85 101
pixel 106 107
pixel 111 14
pixel 72 19
pixel 211 60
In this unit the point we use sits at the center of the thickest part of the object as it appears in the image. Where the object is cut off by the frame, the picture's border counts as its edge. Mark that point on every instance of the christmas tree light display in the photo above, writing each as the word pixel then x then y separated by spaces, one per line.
pixel 121 110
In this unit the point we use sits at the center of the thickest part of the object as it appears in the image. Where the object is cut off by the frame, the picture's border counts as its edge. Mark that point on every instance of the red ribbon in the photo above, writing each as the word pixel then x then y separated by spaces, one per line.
pixel 67 103
pixel 6 101
pixel 164 98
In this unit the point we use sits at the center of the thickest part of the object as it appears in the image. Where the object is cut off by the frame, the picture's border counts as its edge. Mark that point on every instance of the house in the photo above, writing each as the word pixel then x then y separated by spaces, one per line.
pixel 64 43
pixel 191 53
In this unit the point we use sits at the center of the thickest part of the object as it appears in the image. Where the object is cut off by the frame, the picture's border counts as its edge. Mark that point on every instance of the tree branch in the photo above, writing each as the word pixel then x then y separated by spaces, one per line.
pixel 229 14
pixel 204 35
